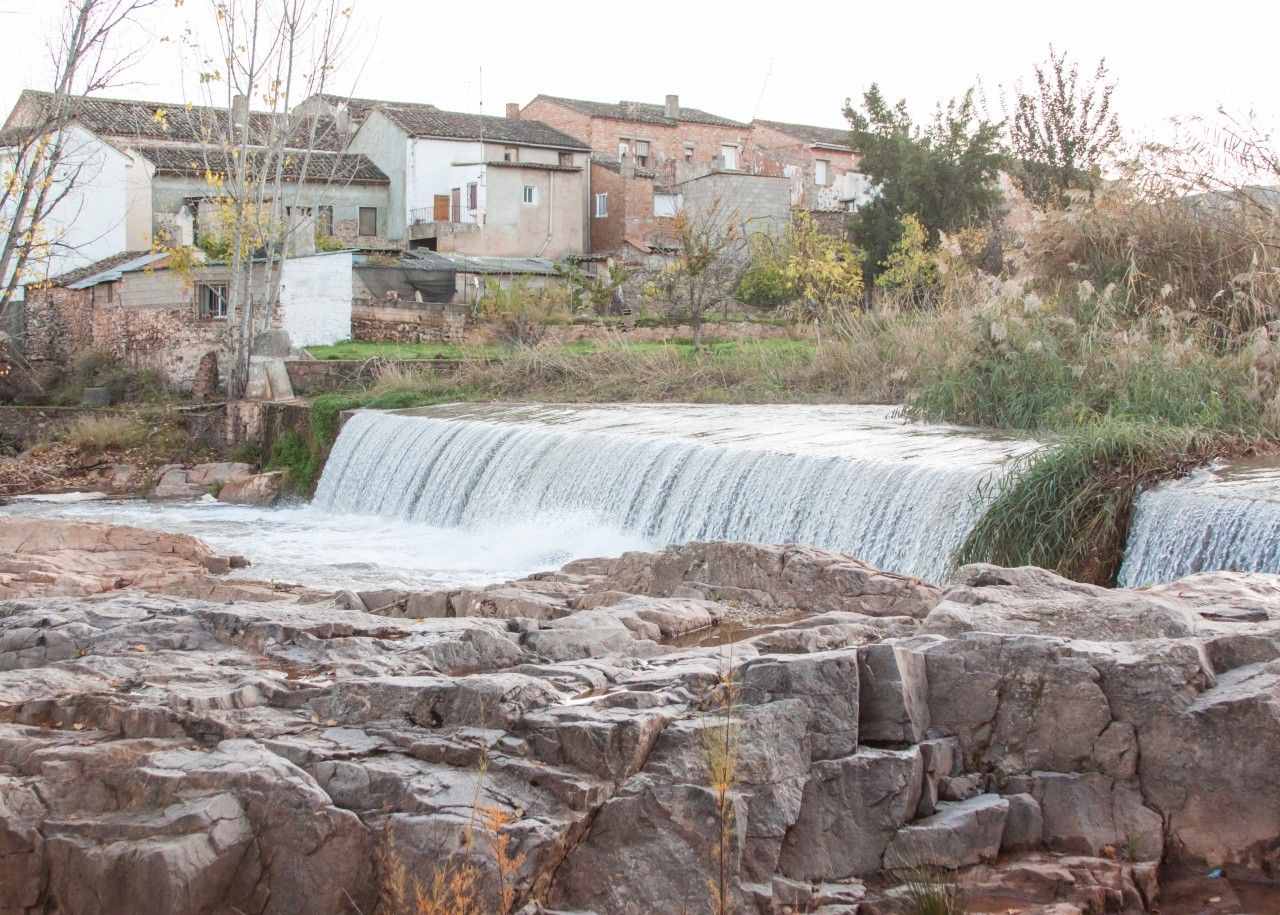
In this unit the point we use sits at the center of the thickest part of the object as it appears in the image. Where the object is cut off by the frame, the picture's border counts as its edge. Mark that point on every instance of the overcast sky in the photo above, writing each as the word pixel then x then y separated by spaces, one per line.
pixel 794 61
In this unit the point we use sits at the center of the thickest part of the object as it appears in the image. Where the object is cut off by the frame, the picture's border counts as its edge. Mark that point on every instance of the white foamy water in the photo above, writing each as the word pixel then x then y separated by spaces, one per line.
pixel 858 479
pixel 1223 518
pixel 308 546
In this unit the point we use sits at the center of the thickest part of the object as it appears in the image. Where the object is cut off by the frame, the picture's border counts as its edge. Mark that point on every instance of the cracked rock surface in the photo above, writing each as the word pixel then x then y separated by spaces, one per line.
pixel 1050 742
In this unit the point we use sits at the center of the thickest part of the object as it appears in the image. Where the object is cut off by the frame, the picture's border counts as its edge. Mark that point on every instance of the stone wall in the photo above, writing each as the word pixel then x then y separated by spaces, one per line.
pixel 310 377
pixel 425 323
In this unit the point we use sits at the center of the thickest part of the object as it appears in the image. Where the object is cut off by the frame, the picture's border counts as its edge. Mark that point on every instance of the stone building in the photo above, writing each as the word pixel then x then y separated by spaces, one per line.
pixel 139 309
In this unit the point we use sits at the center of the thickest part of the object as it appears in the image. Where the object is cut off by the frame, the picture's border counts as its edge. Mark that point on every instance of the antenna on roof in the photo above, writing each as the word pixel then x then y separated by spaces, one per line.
pixel 481 90
pixel 763 87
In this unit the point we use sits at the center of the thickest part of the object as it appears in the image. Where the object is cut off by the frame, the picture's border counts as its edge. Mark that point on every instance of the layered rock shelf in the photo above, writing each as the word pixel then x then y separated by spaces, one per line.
pixel 783 728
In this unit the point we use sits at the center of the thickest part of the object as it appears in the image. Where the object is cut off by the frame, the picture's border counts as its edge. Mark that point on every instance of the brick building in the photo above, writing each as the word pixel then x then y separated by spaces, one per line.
pixel 655 137
pixel 819 161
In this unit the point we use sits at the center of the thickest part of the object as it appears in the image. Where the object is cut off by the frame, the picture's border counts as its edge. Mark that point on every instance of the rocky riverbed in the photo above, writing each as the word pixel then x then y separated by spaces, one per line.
pixel 171 741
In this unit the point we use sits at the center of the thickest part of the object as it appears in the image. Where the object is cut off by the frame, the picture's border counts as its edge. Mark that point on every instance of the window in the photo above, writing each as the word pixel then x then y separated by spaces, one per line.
pixel 530 194
pixel 566 158
pixel 510 154
pixel 666 205
pixel 820 168
pixel 642 153
pixel 602 206
pixel 624 148
pixel 211 299
pixel 473 196
pixel 730 155
pixel 688 151
pixel 368 220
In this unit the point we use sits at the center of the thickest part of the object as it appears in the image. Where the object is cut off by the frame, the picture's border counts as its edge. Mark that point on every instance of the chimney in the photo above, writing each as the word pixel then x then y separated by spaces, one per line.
pixel 628 167
pixel 343 121
pixel 513 110
pixel 717 163
pixel 239 111
pixel 673 107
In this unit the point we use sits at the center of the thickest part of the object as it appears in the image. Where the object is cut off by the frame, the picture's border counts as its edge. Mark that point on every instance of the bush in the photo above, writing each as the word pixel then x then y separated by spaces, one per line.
pixel 103 431
pixel 522 311
pixel 101 369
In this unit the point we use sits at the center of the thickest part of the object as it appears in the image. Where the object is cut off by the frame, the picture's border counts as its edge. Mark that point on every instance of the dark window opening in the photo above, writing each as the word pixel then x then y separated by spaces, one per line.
pixel 211 298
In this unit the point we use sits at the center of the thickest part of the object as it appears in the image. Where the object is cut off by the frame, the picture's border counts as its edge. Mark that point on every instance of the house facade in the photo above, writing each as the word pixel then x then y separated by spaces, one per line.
pixel 136 306
pixel 819 162
pixel 655 137
pixel 142 173
pixel 476 184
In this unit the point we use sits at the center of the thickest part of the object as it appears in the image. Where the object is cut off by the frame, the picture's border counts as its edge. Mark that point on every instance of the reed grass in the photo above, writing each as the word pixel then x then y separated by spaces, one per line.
pixel 1067 507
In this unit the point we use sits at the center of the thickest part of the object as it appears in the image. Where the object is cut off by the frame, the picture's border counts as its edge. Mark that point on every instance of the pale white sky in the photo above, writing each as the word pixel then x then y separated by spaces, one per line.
pixel 793 60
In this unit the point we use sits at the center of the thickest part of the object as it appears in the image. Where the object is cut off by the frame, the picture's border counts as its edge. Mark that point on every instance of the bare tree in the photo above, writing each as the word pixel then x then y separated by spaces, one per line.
pixel 1062 130
pixel 45 162
pixel 712 253
pixel 267 56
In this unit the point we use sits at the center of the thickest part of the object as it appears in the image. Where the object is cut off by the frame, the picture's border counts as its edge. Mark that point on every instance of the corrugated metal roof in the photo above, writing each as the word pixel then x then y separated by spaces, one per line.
pixel 114 273
pixel 538 266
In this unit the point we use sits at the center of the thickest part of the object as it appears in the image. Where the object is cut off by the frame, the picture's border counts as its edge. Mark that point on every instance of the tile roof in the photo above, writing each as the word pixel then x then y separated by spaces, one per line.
pixel 428 121
pixel 817 136
pixel 72 277
pixel 164 122
pixel 320 165
pixel 642 112
pixel 538 166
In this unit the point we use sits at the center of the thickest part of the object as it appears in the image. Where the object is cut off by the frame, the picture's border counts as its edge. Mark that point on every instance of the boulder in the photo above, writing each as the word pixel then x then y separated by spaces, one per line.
pixel 1089 814
pixel 1023 825
pixel 218 474
pixel 851 809
pixel 258 489
pixel 893 693
pixel 1210 768
pixel 959 834
pixel 1034 601
pixel 174 483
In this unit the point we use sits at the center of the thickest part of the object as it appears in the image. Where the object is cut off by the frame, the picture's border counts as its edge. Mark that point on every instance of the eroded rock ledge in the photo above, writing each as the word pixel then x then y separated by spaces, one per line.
pixel 1049 742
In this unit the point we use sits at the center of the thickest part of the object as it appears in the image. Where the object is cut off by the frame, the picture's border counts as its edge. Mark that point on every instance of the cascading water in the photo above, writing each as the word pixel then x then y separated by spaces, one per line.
pixel 857 479
pixel 1224 518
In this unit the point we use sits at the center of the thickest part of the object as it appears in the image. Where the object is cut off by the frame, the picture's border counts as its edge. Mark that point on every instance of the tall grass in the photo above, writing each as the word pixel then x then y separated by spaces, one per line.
pixel 103 431
pixel 1068 507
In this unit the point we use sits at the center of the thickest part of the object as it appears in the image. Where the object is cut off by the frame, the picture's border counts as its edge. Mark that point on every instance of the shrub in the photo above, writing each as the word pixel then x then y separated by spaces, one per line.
pixel 101 369
pixel 103 431
pixel 521 310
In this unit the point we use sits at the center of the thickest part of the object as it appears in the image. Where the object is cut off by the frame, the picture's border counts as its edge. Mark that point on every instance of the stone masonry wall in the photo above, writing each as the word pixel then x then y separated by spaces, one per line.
pixel 429 323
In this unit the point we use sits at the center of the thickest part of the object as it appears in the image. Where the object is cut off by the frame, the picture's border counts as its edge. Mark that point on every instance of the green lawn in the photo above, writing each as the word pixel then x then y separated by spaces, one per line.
pixel 355 349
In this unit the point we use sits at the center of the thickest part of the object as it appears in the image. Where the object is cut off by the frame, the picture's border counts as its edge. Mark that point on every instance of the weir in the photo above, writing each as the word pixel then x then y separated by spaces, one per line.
pixel 1223 518
pixel 857 479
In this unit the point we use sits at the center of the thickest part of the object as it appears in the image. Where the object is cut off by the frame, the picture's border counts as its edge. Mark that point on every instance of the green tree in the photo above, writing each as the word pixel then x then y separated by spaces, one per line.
pixel 1062 130
pixel 910 270
pixel 944 173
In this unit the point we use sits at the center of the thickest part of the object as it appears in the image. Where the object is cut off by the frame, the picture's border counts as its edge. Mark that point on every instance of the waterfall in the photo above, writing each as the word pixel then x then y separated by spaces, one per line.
pixel 1224 518
pixel 856 479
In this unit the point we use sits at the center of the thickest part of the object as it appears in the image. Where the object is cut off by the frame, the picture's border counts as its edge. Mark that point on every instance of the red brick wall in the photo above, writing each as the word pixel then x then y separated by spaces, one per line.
pixel 772 150
pixel 603 134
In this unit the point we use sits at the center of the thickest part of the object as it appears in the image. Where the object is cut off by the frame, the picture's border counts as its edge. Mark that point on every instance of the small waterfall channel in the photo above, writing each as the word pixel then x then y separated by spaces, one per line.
pixel 1225 517
pixel 858 479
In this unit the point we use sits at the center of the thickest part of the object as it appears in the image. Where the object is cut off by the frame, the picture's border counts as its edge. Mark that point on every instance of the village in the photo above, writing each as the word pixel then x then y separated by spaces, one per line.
pixel 396 216
pixel 843 481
